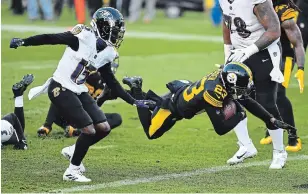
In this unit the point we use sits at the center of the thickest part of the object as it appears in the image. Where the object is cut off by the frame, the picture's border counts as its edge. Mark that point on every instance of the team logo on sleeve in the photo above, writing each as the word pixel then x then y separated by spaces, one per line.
pixel 232 78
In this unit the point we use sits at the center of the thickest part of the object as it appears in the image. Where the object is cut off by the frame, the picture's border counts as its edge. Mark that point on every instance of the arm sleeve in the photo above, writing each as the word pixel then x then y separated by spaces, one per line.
pixel 66 38
pixel 114 85
pixel 219 123
pixel 256 109
pixel 213 98
pixel 285 12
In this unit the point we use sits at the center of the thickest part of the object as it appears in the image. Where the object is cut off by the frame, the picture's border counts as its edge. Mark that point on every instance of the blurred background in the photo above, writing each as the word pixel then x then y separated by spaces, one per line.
pixel 133 10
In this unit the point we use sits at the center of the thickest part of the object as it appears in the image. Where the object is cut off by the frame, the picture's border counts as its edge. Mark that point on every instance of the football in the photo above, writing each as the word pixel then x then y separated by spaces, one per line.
pixel 229 109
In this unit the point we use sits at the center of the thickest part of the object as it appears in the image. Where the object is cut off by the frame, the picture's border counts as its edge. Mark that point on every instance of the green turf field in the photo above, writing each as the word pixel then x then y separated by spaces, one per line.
pixel 189 158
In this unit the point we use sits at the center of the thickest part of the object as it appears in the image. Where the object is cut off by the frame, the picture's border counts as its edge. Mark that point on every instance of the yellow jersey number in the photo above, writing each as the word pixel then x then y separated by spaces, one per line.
pixel 220 91
pixel 194 91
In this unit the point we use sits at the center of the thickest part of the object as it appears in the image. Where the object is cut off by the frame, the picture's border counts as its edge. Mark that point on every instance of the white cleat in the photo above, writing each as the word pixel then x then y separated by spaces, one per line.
pixel 244 152
pixel 279 159
pixel 68 152
pixel 75 175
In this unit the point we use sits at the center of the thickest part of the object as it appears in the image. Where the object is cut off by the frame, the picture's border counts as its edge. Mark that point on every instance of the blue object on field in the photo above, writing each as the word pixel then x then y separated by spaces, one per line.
pixel 216 14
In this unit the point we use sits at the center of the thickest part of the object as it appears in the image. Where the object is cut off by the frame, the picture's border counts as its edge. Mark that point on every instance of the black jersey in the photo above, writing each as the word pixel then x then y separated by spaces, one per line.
pixel 193 99
pixel 285 12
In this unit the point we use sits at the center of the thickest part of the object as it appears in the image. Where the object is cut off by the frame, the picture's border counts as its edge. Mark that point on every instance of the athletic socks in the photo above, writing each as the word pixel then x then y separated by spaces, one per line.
pixel 19 101
pixel 277 139
pixel 241 132
pixel 83 143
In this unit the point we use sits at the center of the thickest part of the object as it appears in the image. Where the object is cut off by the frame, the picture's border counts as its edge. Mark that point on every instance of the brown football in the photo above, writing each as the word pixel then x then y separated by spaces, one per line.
pixel 229 109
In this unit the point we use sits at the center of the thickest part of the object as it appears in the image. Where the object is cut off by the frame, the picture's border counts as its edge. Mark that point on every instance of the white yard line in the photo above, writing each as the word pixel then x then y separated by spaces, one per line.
pixel 170 176
pixel 102 147
pixel 130 34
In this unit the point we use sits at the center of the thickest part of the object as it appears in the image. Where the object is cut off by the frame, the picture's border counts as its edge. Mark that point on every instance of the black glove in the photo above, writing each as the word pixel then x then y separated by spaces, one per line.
pixel 16 42
pixel 283 125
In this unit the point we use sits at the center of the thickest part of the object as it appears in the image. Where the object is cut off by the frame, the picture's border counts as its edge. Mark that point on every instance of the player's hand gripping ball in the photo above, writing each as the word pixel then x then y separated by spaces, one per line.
pixel 229 109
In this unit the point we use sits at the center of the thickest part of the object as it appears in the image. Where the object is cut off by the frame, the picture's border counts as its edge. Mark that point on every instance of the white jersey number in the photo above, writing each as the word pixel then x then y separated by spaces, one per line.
pixel 82 71
pixel 239 24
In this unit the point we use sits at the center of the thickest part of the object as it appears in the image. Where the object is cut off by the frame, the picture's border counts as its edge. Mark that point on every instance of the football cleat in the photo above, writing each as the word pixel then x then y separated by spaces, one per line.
pixel 133 82
pixel 266 140
pixel 70 131
pixel 279 159
pixel 75 175
pixel 21 145
pixel 20 87
pixel 244 152
pixel 294 146
pixel 43 131
pixel 68 152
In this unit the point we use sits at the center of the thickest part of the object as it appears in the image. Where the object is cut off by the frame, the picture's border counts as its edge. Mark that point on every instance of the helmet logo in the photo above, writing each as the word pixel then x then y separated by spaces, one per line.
pixel 231 78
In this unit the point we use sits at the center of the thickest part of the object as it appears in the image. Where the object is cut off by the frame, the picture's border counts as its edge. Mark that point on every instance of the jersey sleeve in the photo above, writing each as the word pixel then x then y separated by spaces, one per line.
pixel 106 56
pixel 255 2
pixel 285 12
pixel 213 98
pixel 82 32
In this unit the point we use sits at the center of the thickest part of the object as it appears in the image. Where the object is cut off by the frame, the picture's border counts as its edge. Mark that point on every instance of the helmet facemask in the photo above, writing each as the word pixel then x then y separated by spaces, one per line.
pixel 109 31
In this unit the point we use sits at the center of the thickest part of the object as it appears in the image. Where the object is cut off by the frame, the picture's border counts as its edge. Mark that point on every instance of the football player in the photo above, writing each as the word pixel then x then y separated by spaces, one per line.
pixel 302 20
pixel 13 124
pixel 96 86
pixel 90 49
pixel 251 34
pixel 210 94
pixel 290 34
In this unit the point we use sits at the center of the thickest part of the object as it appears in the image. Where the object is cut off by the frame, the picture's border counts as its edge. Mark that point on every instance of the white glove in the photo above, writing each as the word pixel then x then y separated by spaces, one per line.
pixel 241 55
pixel 227 50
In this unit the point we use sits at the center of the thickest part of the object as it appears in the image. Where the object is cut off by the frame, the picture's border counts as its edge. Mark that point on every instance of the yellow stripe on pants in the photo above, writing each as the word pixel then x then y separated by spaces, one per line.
pixel 287 71
pixel 158 120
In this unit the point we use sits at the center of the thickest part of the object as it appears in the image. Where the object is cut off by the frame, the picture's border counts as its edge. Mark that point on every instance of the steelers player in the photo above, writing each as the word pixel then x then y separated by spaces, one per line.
pixel 210 95
pixel 302 20
pixel 292 51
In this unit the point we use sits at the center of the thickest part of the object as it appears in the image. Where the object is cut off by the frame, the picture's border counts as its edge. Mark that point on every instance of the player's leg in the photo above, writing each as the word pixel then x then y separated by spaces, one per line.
pixel 72 110
pixel 17 119
pixel 46 128
pixel 114 119
pixel 262 65
pixel 286 112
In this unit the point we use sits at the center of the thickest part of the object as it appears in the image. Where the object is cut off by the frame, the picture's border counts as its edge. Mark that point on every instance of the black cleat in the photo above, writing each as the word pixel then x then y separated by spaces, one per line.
pixel 133 82
pixel 43 131
pixel 20 87
pixel 21 145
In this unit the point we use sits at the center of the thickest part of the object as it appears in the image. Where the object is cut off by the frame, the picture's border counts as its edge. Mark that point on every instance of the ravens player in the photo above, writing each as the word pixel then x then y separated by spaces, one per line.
pixel 251 33
pixel 99 92
pixel 290 35
pixel 210 94
pixel 90 49
pixel 13 124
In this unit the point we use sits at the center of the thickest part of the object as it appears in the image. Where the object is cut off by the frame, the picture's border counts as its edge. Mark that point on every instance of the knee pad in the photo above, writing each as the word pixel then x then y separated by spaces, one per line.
pixel 89 130
pixel 102 127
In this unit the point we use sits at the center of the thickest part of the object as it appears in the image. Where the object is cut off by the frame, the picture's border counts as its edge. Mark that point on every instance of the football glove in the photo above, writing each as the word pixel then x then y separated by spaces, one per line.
pixel 16 42
pixel 282 125
pixel 300 78
pixel 241 55
pixel 143 103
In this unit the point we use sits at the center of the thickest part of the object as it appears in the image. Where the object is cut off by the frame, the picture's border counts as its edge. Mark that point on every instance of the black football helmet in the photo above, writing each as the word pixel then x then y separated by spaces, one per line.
pixel 108 24
pixel 237 79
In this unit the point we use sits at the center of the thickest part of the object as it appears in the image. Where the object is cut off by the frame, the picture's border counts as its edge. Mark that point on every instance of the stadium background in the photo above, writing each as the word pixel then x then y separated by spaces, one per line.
pixel 126 161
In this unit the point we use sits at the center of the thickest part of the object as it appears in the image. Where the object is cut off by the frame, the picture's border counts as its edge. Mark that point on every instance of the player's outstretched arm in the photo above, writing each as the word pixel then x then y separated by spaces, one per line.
pixel 65 38
pixel 116 87
pixel 269 20
pixel 227 40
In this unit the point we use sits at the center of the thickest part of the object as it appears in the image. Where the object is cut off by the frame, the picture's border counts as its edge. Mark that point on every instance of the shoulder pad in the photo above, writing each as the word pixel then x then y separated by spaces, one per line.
pixel 215 97
pixel 77 29
pixel 285 12
pixel 255 2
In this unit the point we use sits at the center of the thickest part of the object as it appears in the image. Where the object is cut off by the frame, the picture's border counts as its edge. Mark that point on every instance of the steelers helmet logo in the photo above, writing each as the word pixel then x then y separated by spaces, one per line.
pixel 231 78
